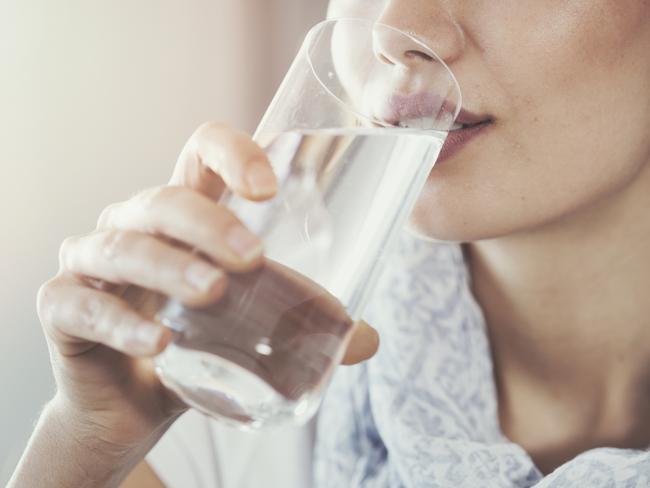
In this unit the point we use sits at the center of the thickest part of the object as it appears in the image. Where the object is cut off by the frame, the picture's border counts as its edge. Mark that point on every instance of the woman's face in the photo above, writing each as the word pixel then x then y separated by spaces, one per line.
pixel 566 84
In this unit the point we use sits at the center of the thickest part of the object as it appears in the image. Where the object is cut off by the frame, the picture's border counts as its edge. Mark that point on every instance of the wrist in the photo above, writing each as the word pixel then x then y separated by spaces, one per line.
pixel 120 431
pixel 85 432
pixel 66 451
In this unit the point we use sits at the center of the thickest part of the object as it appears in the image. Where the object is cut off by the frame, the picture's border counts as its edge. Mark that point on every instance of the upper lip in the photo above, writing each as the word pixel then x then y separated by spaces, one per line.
pixel 403 107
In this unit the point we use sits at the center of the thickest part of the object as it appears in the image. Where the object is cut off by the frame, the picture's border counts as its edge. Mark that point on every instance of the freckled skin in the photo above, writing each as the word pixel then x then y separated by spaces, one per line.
pixel 568 85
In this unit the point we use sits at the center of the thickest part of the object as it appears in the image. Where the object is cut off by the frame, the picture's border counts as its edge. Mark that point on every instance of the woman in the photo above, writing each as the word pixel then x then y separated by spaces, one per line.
pixel 549 199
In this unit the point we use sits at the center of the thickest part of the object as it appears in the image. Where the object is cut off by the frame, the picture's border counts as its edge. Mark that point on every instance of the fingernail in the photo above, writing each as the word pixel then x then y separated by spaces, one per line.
pixel 148 335
pixel 202 276
pixel 260 179
pixel 244 243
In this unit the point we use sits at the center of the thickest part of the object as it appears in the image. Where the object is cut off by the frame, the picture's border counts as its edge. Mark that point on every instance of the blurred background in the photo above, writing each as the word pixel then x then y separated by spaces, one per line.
pixel 96 101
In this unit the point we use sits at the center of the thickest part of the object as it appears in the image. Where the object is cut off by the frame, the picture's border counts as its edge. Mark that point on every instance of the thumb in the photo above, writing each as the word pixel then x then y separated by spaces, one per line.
pixel 363 345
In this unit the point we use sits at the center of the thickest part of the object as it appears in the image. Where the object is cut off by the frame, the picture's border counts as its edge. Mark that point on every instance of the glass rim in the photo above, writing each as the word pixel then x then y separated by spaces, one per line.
pixel 315 29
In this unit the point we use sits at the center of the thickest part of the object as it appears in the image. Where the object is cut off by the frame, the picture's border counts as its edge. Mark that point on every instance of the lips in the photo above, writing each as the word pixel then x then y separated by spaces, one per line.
pixel 415 111
pixel 426 111
pixel 457 139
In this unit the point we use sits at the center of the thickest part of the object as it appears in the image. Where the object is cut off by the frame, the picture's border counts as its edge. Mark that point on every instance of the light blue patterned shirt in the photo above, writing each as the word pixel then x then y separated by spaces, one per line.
pixel 423 412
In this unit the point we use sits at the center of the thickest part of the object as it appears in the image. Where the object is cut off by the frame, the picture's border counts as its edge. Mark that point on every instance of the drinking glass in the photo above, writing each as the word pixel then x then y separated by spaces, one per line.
pixel 352 134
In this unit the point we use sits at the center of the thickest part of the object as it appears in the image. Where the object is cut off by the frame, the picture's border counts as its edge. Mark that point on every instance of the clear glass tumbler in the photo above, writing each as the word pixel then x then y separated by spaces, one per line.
pixel 352 134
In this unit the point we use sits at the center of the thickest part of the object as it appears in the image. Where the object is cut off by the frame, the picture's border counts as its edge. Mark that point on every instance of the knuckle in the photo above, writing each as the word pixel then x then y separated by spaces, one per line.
pixel 116 243
pixel 210 129
pixel 65 249
pixel 106 215
pixel 219 139
pixel 90 311
pixel 45 302
pixel 153 199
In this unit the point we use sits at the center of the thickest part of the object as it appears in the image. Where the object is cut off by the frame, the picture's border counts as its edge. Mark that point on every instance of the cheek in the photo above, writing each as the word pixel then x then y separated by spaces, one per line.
pixel 574 127
pixel 499 188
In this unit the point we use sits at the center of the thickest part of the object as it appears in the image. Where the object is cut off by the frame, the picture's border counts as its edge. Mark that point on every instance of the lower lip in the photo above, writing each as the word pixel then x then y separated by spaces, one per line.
pixel 457 139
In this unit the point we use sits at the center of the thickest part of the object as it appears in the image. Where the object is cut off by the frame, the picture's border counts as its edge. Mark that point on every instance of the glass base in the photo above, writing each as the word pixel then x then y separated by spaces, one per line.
pixel 222 389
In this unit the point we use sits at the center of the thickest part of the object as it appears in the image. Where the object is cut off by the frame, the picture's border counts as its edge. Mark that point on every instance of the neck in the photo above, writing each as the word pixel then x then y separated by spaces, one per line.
pixel 567 304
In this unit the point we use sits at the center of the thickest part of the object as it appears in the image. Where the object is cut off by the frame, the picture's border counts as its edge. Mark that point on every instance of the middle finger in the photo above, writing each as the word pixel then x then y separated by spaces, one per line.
pixel 131 257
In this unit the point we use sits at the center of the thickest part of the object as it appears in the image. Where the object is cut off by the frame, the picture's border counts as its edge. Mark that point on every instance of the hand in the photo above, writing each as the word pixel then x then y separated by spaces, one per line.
pixel 97 312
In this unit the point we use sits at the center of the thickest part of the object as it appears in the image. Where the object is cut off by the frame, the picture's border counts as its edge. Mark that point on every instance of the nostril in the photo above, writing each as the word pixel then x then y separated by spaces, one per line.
pixel 384 59
pixel 412 53
pixel 407 57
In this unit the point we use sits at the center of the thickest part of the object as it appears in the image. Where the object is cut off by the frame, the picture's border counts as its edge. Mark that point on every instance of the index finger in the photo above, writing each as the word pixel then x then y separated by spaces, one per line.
pixel 217 156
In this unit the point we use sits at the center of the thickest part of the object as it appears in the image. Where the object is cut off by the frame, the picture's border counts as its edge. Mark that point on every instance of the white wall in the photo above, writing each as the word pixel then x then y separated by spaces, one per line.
pixel 96 99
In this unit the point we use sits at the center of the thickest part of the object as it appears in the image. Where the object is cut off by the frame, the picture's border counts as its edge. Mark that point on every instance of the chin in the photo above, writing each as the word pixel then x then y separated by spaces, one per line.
pixel 435 224
pixel 451 224
pixel 435 232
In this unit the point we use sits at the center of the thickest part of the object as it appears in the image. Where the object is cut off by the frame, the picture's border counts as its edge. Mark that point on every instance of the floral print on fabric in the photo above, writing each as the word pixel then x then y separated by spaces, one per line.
pixel 423 412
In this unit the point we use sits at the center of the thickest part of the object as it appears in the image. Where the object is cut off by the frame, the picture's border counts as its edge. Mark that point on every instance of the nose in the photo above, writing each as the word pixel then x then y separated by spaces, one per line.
pixel 391 48
pixel 433 25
